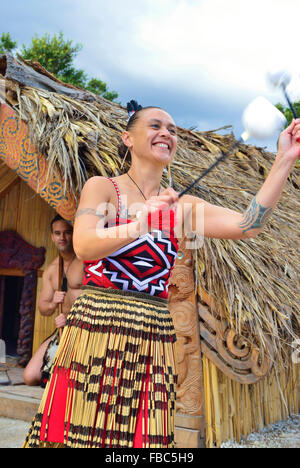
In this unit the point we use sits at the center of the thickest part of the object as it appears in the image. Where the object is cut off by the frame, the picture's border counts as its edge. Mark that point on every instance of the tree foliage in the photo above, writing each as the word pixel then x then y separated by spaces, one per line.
pixel 7 44
pixel 287 111
pixel 99 87
pixel 57 55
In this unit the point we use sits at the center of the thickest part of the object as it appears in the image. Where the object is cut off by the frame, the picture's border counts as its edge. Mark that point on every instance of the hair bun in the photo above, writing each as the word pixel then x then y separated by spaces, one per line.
pixel 133 107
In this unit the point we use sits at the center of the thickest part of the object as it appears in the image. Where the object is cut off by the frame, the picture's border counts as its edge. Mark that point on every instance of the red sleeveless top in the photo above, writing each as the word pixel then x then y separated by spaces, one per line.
pixel 144 265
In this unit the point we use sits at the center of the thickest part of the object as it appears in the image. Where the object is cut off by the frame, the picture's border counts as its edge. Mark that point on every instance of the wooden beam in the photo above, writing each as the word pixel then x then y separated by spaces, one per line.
pixel 11 272
pixel 16 272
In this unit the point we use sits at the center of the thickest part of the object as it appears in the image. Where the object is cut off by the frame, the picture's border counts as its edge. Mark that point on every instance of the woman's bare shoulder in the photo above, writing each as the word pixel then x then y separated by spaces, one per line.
pixel 97 187
pixel 97 181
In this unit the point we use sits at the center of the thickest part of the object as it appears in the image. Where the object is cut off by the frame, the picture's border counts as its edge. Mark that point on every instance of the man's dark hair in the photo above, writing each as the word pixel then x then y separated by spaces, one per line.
pixel 57 218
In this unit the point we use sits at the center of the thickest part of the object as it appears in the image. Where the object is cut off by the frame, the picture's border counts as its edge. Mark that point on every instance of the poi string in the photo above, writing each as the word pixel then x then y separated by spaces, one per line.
pixel 280 78
pixel 260 120
pixel 283 87
pixel 209 169
pixel 289 101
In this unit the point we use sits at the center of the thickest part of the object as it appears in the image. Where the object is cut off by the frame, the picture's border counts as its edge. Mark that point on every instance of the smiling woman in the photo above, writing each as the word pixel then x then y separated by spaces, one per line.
pixel 120 369
pixel 154 123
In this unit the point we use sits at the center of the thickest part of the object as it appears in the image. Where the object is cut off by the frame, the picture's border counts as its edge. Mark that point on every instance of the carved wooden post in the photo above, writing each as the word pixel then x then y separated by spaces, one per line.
pixel 15 253
pixel 2 290
pixel 27 309
pixel 190 420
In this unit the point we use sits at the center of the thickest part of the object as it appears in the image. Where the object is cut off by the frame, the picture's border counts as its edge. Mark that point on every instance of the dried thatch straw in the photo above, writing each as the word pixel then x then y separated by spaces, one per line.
pixel 256 281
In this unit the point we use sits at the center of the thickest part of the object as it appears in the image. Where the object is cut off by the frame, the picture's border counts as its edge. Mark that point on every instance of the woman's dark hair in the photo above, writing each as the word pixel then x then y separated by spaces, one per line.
pixel 122 150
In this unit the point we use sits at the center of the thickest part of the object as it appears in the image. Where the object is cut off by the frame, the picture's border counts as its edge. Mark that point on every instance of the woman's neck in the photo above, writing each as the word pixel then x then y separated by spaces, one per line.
pixel 147 177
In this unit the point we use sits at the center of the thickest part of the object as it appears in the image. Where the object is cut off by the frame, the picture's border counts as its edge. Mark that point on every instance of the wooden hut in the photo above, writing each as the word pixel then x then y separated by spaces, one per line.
pixel 235 304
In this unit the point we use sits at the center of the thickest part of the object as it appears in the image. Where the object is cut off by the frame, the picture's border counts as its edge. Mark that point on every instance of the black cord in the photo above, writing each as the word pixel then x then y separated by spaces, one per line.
pixel 289 101
pixel 216 163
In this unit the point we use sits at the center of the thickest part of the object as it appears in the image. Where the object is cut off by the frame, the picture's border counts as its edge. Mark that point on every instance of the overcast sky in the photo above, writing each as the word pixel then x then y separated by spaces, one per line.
pixel 201 60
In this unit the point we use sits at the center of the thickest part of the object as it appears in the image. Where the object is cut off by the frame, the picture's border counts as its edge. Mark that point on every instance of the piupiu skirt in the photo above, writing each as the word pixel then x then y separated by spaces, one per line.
pixel 113 379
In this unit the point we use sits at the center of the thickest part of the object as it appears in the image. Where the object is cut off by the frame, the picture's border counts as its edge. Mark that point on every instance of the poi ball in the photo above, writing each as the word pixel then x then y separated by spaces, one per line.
pixel 262 120
pixel 279 77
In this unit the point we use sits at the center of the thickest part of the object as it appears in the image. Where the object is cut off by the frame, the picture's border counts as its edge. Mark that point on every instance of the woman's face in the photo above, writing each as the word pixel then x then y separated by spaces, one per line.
pixel 153 136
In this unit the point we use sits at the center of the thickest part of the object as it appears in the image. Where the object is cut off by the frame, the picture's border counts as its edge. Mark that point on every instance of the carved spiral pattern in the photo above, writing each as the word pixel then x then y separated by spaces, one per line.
pixel 236 356
pixel 183 317
pixel 10 131
pixel 18 153
pixel 183 310
pixel 181 283
pixel 28 159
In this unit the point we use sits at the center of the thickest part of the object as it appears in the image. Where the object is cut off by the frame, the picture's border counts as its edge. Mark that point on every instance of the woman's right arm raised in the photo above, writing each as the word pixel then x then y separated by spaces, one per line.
pixel 91 240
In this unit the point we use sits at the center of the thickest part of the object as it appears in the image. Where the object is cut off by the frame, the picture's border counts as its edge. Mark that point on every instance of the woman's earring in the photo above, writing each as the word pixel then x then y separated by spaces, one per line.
pixel 170 176
pixel 124 159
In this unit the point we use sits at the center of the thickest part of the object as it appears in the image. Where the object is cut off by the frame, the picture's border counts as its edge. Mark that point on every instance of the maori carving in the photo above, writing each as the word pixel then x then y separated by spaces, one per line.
pixel 183 309
pixel 183 283
pixel 27 307
pixel 20 155
pixel 185 324
pixel 16 253
pixel 236 356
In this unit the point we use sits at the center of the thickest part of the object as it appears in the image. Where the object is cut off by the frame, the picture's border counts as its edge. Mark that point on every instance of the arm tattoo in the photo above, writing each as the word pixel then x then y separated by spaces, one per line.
pixel 255 217
pixel 89 211
pixel 123 213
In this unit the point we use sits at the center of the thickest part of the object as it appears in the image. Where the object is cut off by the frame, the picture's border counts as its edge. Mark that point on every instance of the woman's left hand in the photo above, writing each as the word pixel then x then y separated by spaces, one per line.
pixel 289 142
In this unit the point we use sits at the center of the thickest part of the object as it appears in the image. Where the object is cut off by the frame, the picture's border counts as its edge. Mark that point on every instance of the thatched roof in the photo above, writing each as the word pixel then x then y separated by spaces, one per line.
pixel 256 281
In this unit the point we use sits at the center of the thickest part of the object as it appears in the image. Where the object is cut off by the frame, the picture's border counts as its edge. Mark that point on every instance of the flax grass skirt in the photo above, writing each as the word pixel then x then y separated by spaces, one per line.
pixel 113 378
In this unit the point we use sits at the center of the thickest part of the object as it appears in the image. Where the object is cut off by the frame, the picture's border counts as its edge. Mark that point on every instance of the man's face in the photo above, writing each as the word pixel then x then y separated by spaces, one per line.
pixel 62 236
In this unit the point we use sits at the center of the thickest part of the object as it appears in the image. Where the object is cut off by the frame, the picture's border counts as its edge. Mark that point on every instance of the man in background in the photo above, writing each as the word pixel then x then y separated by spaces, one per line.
pixel 38 368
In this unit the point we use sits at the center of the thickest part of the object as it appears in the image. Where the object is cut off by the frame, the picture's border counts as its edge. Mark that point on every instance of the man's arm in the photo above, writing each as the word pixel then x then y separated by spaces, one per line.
pixel 49 298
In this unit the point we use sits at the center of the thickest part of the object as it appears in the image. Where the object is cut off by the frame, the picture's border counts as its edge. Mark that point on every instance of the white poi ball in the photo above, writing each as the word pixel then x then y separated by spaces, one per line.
pixel 262 120
pixel 278 77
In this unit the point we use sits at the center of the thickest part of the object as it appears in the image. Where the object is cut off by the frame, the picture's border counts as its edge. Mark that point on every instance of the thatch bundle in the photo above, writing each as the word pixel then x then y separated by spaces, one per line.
pixel 256 281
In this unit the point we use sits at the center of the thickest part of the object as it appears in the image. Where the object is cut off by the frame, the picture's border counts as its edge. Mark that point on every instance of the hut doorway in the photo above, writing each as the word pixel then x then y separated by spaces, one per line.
pixel 19 265
pixel 10 319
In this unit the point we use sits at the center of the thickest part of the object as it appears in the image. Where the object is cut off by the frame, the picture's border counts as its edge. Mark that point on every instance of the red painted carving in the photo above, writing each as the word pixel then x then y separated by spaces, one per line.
pixel 17 253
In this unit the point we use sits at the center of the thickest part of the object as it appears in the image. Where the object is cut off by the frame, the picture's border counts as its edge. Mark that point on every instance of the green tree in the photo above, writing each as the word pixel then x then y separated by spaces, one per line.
pixel 76 77
pixel 57 55
pixel 99 87
pixel 287 111
pixel 7 44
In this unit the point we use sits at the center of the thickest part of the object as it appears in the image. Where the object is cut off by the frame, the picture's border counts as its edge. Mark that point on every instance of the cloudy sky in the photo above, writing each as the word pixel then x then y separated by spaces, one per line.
pixel 201 60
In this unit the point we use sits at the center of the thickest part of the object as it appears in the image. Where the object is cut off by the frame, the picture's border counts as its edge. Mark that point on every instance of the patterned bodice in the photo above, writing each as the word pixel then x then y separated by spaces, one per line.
pixel 144 265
